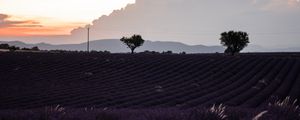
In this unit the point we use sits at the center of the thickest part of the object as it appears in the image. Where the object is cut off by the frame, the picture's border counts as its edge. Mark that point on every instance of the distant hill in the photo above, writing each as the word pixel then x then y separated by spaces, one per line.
pixel 115 46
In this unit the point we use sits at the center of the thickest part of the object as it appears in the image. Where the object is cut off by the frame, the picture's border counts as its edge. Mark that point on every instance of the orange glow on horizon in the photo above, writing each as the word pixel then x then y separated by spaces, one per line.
pixel 21 26
pixel 52 17
pixel 34 31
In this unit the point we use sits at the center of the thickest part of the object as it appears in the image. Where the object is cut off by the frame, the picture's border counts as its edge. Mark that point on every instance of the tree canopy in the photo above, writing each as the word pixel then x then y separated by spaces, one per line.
pixel 235 41
pixel 133 42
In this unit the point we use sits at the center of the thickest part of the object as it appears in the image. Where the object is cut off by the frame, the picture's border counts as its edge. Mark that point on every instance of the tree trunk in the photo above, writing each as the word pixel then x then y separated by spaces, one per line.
pixel 132 51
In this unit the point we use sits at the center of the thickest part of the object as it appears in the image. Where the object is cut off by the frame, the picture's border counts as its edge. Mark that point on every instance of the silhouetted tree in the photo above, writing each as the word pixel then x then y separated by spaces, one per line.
pixel 4 46
pixel 167 52
pixel 35 48
pixel 234 41
pixel 133 42
pixel 13 48
pixel 25 49
pixel 149 52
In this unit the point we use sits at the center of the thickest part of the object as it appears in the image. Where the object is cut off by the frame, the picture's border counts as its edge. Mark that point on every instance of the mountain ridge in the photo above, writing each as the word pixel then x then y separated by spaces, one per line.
pixel 115 46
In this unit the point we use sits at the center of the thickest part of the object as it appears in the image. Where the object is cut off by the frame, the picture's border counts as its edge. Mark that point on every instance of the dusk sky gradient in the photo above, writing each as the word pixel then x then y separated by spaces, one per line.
pixel 270 23
pixel 54 17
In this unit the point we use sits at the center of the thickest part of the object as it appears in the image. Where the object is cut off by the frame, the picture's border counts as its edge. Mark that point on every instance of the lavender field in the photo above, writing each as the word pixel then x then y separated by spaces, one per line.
pixel 96 86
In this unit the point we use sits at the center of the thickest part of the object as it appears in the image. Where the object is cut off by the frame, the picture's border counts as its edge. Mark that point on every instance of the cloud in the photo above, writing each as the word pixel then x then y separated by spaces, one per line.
pixel 5 23
pixel 13 28
pixel 3 16
pixel 166 20
pixel 195 21
pixel 279 5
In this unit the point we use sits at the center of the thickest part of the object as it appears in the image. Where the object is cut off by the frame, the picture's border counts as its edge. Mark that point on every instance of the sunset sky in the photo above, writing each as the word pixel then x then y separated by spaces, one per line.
pixel 51 17
pixel 270 23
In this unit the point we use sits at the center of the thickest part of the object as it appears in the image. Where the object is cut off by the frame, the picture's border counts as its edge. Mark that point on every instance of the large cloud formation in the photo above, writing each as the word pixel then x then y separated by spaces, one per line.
pixel 201 21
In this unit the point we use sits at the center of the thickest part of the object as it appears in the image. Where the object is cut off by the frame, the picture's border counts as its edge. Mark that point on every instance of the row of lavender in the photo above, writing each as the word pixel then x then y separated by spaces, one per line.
pixel 280 110
pixel 34 80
